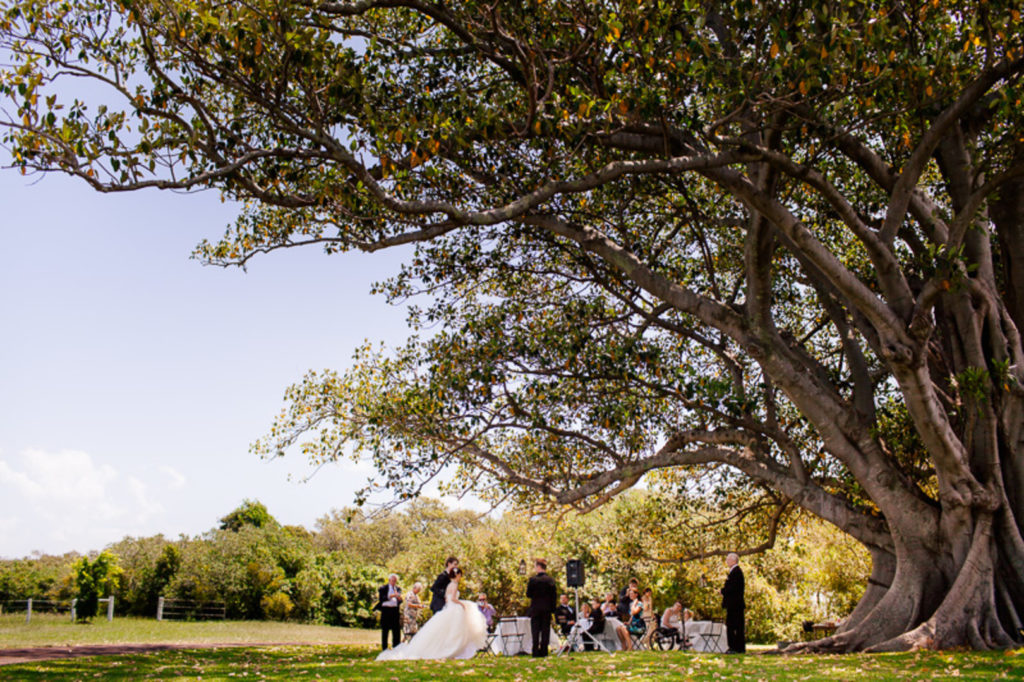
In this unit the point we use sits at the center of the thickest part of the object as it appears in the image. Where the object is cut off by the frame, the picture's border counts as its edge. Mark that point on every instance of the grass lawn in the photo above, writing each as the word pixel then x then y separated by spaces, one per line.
pixel 54 630
pixel 354 662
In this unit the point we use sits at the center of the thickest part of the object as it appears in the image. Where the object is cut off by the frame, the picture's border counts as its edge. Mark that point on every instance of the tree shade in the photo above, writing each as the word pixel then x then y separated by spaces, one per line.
pixel 776 246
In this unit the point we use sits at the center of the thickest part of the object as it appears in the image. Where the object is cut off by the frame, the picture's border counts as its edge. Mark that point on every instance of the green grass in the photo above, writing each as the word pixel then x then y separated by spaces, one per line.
pixel 356 663
pixel 53 630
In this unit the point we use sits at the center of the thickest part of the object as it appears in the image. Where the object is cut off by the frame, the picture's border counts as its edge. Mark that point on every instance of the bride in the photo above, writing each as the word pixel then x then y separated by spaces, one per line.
pixel 456 631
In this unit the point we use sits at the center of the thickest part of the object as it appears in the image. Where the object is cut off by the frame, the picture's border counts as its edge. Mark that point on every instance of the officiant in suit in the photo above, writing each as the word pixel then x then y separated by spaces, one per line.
pixel 734 605
pixel 389 598
pixel 441 584
pixel 542 593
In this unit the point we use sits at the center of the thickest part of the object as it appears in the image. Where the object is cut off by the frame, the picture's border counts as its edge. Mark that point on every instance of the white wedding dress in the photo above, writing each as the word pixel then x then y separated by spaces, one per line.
pixel 457 631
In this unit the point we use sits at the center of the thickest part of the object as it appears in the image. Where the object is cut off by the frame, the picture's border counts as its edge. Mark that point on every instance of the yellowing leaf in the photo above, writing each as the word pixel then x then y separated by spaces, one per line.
pixel 774 52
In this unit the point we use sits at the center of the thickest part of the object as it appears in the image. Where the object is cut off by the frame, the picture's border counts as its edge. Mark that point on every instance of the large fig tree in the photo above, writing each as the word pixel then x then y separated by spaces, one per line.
pixel 780 243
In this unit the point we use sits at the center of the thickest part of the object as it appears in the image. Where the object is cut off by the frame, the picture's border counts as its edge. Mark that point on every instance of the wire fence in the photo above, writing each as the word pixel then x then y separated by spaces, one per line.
pixel 35 606
pixel 190 609
pixel 32 606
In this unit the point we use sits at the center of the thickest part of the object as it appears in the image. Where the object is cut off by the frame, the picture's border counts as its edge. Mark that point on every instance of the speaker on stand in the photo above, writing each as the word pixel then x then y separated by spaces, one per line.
pixel 574 573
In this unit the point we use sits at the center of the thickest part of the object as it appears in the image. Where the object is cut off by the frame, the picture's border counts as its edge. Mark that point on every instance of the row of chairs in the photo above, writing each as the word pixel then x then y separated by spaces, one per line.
pixel 512 632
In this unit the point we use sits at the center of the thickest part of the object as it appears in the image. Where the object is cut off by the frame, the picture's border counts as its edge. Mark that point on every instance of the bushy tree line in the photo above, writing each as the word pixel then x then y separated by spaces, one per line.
pixel 264 570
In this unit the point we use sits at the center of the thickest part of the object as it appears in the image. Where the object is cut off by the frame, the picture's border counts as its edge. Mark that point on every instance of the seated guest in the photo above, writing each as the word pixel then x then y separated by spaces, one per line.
pixel 608 608
pixel 597 623
pixel 565 615
pixel 673 617
pixel 486 609
pixel 636 612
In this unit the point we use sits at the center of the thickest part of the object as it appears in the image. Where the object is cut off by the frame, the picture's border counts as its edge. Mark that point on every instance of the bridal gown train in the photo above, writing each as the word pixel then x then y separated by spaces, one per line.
pixel 457 631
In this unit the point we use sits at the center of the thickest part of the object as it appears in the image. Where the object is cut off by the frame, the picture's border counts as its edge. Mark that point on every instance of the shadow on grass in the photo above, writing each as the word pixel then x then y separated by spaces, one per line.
pixel 357 663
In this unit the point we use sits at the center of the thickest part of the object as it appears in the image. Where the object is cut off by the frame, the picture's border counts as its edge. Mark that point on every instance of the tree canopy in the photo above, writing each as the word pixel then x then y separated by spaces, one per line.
pixel 773 247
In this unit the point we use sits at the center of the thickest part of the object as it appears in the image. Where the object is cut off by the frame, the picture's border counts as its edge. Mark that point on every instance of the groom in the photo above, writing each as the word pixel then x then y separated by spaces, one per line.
pixel 441 584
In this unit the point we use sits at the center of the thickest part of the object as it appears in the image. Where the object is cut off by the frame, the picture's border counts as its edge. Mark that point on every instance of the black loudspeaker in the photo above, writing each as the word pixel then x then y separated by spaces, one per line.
pixel 574 573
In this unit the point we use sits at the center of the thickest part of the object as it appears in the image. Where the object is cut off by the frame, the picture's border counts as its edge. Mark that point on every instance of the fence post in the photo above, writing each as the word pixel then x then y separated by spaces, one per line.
pixel 28 611
pixel 110 607
pixel 160 608
pixel 74 609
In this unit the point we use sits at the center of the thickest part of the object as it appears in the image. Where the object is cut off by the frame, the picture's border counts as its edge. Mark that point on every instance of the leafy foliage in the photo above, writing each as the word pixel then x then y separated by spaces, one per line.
pixel 249 513
pixel 94 578
pixel 754 245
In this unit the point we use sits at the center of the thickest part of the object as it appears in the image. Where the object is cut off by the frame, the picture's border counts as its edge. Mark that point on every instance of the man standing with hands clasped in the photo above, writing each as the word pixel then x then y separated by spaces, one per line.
pixel 734 605
pixel 388 599
pixel 542 592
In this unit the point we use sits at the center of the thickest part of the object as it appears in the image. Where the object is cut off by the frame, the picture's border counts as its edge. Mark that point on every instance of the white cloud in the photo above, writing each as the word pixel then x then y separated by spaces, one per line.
pixel 147 506
pixel 68 500
pixel 177 479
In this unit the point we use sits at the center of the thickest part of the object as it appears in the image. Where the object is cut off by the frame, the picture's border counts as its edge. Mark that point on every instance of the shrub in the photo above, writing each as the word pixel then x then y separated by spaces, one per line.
pixel 277 606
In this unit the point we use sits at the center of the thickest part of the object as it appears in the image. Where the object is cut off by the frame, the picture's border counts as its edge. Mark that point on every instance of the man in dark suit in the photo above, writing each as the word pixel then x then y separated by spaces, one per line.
pixel 441 584
pixel 565 615
pixel 734 605
pixel 389 598
pixel 542 593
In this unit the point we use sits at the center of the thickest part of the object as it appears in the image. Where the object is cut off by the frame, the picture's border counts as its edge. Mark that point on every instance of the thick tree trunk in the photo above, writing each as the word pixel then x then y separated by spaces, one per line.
pixel 926 606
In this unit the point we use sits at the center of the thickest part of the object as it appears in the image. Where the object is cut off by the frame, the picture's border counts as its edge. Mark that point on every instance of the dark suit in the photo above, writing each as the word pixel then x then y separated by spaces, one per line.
pixel 542 593
pixel 734 605
pixel 597 623
pixel 565 616
pixel 389 616
pixel 624 605
pixel 437 589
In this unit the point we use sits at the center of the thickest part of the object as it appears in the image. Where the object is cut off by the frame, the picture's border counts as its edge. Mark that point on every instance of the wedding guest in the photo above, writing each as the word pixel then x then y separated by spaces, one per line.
pixel 647 613
pixel 565 615
pixel 413 607
pixel 626 601
pixel 673 617
pixel 635 610
pixel 389 597
pixel 593 613
pixel 608 608
pixel 734 605
pixel 486 609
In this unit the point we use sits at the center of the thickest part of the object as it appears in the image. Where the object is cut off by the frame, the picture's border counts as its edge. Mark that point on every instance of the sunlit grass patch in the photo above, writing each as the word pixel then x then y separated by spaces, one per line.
pixel 357 663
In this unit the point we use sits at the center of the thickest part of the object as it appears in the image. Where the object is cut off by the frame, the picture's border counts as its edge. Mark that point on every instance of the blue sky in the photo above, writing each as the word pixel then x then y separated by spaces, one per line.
pixel 132 378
